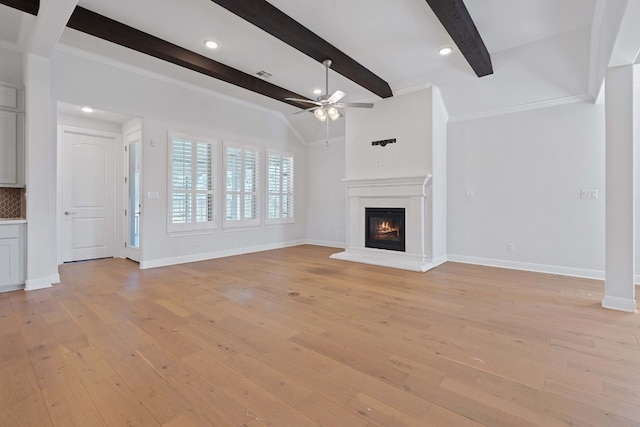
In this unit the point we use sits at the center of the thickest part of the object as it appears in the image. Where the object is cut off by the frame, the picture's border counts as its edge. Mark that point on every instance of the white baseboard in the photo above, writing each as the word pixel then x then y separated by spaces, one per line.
pixel 328 244
pixel 54 278
pixel 440 260
pixel 35 284
pixel 621 304
pixel 527 266
pixel 10 288
pixel 163 262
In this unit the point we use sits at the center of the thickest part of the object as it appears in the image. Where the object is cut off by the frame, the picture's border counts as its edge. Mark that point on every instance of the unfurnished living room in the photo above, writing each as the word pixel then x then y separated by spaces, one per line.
pixel 355 213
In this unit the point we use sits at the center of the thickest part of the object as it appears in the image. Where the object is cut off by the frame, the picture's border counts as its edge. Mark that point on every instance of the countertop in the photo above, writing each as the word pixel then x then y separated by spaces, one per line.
pixel 9 221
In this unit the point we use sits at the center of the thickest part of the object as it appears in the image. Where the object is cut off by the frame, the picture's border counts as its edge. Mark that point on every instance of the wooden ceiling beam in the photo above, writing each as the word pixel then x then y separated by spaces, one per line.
pixel 105 28
pixel 29 6
pixel 280 25
pixel 455 18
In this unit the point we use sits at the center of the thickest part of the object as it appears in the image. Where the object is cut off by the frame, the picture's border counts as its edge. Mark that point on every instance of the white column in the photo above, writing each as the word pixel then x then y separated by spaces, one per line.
pixel 620 181
pixel 41 262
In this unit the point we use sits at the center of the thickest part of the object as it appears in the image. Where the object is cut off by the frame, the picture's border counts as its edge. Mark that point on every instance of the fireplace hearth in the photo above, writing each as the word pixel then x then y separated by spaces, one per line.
pixel 385 228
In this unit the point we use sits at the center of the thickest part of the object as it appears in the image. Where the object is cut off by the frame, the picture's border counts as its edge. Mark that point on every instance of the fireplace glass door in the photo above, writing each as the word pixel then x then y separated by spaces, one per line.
pixel 385 228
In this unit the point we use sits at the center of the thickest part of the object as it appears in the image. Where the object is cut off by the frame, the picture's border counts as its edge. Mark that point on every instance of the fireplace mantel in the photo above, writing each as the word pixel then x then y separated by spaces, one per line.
pixel 389 187
pixel 410 193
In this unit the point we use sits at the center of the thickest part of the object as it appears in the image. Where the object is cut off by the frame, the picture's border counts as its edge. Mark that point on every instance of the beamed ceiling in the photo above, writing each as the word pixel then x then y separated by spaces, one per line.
pixel 452 13
pixel 506 54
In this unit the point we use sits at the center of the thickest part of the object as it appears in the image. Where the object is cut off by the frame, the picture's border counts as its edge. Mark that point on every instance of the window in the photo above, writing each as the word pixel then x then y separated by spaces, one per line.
pixel 241 189
pixel 280 187
pixel 192 163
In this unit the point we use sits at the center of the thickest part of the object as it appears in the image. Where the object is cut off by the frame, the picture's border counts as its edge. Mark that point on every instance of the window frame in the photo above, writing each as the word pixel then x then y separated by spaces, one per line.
pixel 242 193
pixel 281 193
pixel 194 225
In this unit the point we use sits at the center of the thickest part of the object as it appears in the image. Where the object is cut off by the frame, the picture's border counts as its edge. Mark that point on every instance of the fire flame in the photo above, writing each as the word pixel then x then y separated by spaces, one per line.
pixel 385 228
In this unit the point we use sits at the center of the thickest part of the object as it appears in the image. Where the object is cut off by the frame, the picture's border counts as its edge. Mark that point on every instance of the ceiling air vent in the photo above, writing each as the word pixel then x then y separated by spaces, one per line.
pixel 263 75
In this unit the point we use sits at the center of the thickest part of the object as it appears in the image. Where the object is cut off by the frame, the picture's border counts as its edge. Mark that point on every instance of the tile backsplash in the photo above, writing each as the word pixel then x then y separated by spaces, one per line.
pixel 12 203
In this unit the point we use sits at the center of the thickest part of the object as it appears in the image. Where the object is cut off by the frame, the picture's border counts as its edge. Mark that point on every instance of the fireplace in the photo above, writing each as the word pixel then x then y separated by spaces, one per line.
pixel 413 196
pixel 385 228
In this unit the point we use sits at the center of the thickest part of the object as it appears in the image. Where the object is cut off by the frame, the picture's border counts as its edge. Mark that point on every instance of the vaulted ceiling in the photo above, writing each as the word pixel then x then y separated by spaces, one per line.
pixel 540 51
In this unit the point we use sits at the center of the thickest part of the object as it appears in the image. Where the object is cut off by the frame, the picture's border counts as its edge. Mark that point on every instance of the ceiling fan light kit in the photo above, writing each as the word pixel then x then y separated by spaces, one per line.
pixel 328 106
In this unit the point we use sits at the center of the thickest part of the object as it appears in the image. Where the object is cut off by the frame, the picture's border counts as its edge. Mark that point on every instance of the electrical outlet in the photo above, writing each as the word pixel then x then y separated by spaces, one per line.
pixel 588 194
pixel 511 247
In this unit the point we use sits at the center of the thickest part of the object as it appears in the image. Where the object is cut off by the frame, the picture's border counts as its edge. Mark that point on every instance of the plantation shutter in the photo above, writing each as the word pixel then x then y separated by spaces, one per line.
pixel 192 175
pixel 280 187
pixel 241 191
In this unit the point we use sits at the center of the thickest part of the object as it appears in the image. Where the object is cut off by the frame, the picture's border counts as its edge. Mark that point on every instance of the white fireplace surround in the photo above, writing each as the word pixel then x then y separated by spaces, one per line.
pixel 412 194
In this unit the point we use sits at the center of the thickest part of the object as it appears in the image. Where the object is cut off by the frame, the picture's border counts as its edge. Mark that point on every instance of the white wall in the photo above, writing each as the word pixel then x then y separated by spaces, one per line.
pixel 326 208
pixel 87 123
pixel 517 178
pixel 168 106
pixel 408 118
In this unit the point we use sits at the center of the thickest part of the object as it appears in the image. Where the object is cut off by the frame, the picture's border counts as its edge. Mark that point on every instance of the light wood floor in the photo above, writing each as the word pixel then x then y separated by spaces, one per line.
pixel 292 338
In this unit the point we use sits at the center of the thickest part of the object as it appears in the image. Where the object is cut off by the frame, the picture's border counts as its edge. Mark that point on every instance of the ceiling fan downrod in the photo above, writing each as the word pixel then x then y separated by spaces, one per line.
pixel 327 64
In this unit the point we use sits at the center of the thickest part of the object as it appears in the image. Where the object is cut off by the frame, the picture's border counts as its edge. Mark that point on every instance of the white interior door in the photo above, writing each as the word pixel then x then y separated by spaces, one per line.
pixel 88 195
pixel 132 211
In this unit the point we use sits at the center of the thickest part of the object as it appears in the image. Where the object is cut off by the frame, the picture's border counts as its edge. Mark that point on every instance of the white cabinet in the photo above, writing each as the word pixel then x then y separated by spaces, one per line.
pixel 11 138
pixel 8 147
pixel 8 97
pixel 12 256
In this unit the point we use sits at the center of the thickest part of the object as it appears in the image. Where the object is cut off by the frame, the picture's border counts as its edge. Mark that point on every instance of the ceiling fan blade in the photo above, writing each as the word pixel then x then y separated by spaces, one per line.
pixel 354 105
pixel 337 96
pixel 306 110
pixel 308 101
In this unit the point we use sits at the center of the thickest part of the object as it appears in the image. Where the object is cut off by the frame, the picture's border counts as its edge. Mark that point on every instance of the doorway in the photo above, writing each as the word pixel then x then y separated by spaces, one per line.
pixel 132 194
pixel 88 194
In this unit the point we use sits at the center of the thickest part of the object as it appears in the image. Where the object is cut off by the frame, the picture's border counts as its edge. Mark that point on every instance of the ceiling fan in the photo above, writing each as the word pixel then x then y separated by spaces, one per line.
pixel 328 106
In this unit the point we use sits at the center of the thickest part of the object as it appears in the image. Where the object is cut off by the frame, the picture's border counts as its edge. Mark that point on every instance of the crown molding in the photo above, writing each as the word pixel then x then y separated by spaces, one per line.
pixel 524 107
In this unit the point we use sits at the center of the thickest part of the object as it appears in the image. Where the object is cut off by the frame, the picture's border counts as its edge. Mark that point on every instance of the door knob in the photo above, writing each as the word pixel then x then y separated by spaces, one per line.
pixel 69 213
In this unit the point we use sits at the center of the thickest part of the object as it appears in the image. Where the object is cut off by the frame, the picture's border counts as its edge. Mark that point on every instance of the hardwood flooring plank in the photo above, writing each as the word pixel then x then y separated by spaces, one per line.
pixel 374 410
pixel 118 405
pixel 334 389
pixel 70 405
pixel 275 382
pixel 327 413
pixel 29 412
pixel 218 407
pixel 265 406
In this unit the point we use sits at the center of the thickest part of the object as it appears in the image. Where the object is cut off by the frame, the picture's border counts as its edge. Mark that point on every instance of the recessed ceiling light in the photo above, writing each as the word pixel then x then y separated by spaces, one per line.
pixel 211 44
pixel 317 91
pixel 445 50
pixel 87 109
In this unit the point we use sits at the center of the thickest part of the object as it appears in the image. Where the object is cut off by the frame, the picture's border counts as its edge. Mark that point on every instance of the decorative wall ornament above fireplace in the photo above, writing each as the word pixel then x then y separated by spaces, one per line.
pixel 384 142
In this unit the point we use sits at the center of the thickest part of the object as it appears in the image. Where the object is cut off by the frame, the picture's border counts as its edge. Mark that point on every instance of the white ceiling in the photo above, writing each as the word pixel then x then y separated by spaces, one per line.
pixel 541 49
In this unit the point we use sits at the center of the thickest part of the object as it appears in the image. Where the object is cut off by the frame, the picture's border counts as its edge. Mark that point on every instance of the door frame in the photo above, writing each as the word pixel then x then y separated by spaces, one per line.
pixel 117 170
pixel 135 129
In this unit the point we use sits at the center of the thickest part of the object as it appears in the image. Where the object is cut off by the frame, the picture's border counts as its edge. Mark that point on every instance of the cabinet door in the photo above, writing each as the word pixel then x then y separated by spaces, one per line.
pixel 8 97
pixel 8 148
pixel 10 255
